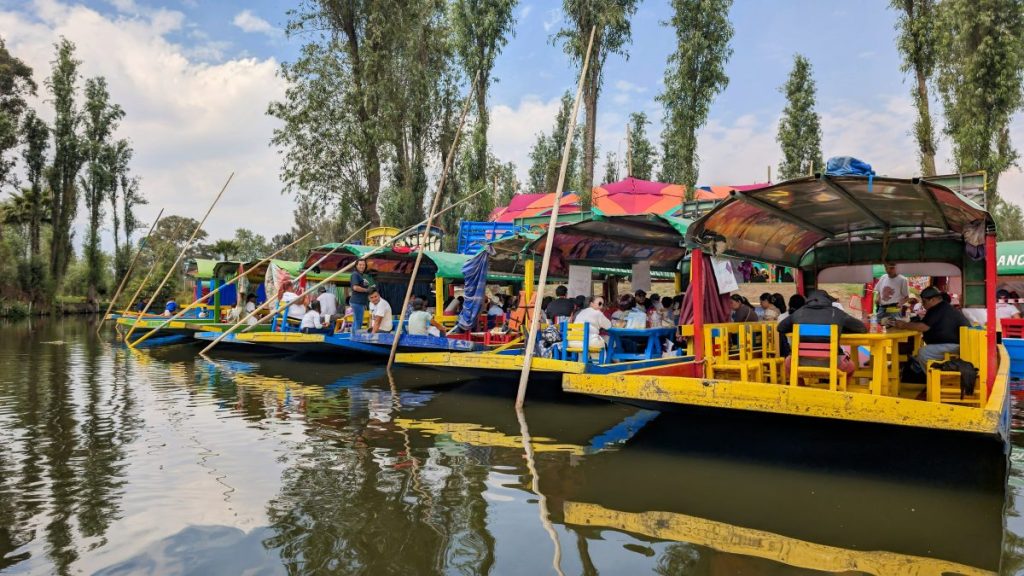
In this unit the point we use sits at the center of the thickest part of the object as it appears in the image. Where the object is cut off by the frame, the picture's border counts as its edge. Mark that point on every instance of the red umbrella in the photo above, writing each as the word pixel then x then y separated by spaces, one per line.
pixel 635 196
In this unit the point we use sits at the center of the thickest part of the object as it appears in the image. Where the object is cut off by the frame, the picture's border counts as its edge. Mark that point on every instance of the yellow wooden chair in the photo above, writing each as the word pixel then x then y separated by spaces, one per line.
pixel 729 349
pixel 944 386
pixel 816 360
pixel 574 338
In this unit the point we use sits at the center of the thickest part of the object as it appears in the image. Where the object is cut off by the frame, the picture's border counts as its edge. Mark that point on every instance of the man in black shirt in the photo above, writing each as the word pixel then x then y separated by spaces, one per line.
pixel 940 326
pixel 561 307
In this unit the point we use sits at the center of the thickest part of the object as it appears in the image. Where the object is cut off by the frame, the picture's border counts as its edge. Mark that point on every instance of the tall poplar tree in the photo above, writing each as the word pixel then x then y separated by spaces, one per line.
pixel 611 20
pixel 611 168
pixel 917 40
pixel 980 76
pixel 642 153
pixel 694 76
pixel 15 84
pixel 800 128
pixel 68 157
pixel 36 136
pixel 99 121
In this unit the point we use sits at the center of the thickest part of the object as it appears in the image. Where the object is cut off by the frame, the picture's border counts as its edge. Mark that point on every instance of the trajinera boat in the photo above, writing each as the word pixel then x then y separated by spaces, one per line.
pixel 831 229
pixel 603 248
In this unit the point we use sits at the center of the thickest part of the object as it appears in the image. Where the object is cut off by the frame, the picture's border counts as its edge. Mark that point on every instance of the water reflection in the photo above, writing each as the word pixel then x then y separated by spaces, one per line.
pixel 118 462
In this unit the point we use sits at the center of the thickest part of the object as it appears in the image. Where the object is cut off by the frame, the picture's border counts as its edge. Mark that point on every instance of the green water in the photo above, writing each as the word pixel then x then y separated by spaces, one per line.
pixel 113 462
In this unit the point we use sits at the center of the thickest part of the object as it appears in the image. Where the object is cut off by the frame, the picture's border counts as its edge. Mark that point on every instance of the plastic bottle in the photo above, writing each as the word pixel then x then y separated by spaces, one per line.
pixel 874 325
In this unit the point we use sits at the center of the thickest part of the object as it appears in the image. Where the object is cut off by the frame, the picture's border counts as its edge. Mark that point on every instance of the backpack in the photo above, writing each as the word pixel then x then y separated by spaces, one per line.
pixel 968 374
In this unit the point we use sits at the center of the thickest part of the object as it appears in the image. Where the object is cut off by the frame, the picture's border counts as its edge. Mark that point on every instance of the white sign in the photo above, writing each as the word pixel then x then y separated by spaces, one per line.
pixel 580 281
pixel 641 276
pixel 725 275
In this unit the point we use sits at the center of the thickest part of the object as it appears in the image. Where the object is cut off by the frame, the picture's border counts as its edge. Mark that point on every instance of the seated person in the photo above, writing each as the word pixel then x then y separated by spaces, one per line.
pixel 742 311
pixel 328 304
pixel 593 314
pixel 454 306
pixel 561 308
pixel 770 313
pixel 312 322
pixel 171 307
pixel 381 319
pixel 421 322
pixel 295 309
pixel 494 311
pixel 250 307
pixel 940 326
pixel 819 310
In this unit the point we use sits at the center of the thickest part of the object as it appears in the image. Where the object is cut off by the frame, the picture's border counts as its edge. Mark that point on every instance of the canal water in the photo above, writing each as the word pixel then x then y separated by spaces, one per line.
pixel 118 462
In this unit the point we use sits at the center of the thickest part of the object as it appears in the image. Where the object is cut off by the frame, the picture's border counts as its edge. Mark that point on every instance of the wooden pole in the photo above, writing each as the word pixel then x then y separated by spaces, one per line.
pixel 769 173
pixel 213 292
pixel 145 279
pixel 181 255
pixel 629 152
pixel 128 273
pixel 329 278
pixel 531 342
pixel 430 221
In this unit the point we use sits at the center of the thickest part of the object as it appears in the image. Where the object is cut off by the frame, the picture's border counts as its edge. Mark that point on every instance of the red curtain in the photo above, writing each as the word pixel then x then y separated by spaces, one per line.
pixel 716 306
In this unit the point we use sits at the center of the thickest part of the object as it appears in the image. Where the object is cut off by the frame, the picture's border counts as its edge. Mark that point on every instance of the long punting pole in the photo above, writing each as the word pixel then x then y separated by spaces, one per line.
pixel 210 294
pixel 128 273
pixel 430 221
pixel 531 342
pixel 376 250
pixel 145 279
pixel 181 255
pixel 990 307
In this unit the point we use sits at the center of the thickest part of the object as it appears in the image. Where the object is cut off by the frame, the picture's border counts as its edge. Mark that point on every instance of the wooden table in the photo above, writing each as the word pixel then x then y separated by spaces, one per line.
pixel 884 350
pixel 653 337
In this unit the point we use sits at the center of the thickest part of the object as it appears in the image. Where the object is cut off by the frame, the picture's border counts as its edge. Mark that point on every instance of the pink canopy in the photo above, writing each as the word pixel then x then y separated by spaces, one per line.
pixel 529 205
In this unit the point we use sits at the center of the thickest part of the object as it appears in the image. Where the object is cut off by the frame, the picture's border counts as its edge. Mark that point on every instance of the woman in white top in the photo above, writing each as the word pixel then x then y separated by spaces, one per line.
pixel 311 323
pixel 296 310
pixel 593 314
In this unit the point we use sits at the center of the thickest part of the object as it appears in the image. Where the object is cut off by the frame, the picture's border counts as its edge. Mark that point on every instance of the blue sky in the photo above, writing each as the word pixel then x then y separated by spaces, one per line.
pixel 195 77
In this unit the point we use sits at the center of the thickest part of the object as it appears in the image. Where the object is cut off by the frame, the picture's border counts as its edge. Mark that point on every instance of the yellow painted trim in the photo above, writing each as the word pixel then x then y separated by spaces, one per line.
pixel 478 435
pixel 800 401
pixel 280 337
pixel 438 298
pixel 678 282
pixel 485 361
pixel 528 278
pixel 760 544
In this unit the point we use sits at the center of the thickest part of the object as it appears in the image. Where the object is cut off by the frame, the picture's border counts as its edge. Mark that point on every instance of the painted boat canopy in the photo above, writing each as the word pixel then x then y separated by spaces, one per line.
pixel 202 268
pixel 612 243
pixel 788 222
pixel 400 261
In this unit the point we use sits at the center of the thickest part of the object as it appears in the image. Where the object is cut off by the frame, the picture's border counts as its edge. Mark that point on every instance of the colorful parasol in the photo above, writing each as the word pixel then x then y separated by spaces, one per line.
pixel 530 205
pixel 722 192
pixel 635 196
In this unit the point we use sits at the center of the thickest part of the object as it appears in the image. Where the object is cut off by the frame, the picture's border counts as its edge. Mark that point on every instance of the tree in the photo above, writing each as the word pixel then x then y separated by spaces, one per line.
pixel 481 29
pixel 1009 220
pixel 116 165
pixel 611 168
pixel 800 127
pixel 99 120
pixel 36 136
pixel 917 40
pixel 222 249
pixel 642 153
pixel 694 76
pixel 611 20
pixel 15 84
pixel 68 157
pixel 250 245
pixel 980 75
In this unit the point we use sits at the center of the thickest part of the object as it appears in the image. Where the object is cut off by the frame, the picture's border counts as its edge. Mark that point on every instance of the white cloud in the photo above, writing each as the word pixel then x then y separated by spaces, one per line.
pixel 627 86
pixel 191 123
pixel 525 11
pixel 553 19
pixel 513 130
pixel 249 22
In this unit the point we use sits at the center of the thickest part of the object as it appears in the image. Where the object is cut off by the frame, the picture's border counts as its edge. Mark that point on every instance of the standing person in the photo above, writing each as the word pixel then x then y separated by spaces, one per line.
pixel 561 307
pixel 593 314
pixel 893 291
pixel 421 322
pixel 360 288
pixel 940 326
pixel 742 311
pixel 381 319
pixel 328 305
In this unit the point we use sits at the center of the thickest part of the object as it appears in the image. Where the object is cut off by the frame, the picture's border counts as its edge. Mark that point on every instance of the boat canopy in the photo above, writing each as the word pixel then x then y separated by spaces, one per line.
pixel 202 268
pixel 253 272
pixel 606 242
pixel 445 265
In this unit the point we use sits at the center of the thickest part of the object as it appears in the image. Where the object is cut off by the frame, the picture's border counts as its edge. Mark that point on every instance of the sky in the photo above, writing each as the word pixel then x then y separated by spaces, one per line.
pixel 195 78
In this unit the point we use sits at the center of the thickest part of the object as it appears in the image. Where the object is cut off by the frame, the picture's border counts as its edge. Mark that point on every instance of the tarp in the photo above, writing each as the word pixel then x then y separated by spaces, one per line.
pixel 201 268
pixel 530 205
pixel 447 265
pixel 475 273
pixel 636 196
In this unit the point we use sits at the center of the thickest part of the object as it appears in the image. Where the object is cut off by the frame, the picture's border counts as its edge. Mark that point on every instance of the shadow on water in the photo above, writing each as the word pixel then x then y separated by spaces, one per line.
pixel 339 470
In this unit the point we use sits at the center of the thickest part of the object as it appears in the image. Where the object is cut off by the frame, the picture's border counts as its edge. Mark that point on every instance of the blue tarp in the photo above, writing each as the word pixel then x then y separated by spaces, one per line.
pixel 474 271
pixel 847 166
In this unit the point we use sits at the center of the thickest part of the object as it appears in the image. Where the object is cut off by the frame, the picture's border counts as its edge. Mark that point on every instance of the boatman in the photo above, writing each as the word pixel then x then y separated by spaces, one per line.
pixel 893 292
pixel 381 319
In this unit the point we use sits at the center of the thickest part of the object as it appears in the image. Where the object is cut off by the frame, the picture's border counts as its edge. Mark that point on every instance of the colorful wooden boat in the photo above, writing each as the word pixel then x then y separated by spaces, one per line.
pixel 832 229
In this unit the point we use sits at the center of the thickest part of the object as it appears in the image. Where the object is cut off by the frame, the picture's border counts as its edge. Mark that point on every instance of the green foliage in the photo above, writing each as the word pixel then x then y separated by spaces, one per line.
pixel 36 137
pixel 642 154
pixel 610 18
pixel 15 84
pixel 800 127
pixel 222 250
pixel 1009 220
pixel 917 43
pixel 611 168
pixel 81 274
pixel 69 156
pixel 694 76
pixel 980 76
pixel 546 154
pixel 251 246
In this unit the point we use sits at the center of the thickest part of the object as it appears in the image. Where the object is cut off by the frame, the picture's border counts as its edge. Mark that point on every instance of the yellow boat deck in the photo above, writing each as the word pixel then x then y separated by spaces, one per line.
pixel 904 409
